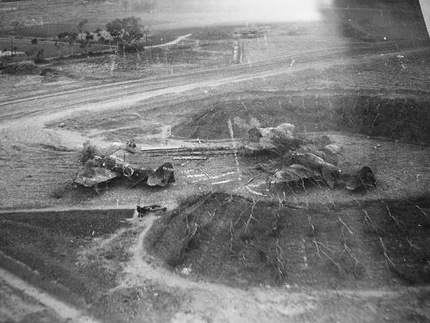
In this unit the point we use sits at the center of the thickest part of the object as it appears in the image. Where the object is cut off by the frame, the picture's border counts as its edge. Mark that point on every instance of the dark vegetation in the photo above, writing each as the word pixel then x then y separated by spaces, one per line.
pixel 127 33
pixel 404 119
pixel 48 243
pixel 52 30
pixel 128 36
pixel 236 241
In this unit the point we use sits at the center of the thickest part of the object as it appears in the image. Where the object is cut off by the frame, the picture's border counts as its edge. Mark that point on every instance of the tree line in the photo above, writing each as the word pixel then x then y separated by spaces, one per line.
pixel 126 34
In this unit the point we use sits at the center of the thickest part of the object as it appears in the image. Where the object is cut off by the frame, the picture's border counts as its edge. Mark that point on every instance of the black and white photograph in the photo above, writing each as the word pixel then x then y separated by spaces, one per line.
pixel 214 161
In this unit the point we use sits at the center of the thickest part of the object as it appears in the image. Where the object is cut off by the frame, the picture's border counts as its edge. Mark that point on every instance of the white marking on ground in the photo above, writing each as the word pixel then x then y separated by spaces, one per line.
pixel 206 177
pixel 305 258
pixel 226 181
pixel 173 42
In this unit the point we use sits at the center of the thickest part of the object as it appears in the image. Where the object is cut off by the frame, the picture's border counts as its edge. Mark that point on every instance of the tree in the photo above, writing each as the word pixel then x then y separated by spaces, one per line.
pixel 103 36
pixel 40 56
pixel 37 54
pixel 126 33
pixel 17 25
pixel 85 39
pixel 71 37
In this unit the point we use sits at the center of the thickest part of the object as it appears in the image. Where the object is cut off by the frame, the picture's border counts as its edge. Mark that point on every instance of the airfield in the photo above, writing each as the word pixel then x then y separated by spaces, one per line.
pixel 229 248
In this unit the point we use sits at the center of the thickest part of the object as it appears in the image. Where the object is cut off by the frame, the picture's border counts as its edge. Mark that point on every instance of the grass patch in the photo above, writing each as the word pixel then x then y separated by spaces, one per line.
pixel 229 239
pixel 43 247
pixel 403 119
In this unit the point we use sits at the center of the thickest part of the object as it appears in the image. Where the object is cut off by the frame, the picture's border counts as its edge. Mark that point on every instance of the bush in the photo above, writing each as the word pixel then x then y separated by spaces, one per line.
pixel 88 152
pixel 40 56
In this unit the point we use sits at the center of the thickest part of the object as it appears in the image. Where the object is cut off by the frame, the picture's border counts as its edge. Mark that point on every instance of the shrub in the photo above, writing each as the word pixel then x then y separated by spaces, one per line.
pixel 39 57
pixel 88 152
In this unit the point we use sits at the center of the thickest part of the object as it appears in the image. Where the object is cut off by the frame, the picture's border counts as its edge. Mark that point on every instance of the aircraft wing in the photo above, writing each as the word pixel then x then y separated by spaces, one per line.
pixel 99 175
pixel 425 9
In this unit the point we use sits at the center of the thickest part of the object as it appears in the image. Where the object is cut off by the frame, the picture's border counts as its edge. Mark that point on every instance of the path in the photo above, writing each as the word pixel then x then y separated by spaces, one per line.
pixel 124 94
pixel 173 42
pixel 226 304
pixel 36 300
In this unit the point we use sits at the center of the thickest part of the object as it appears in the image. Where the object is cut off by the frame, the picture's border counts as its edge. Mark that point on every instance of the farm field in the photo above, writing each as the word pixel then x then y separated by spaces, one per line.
pixel 231 246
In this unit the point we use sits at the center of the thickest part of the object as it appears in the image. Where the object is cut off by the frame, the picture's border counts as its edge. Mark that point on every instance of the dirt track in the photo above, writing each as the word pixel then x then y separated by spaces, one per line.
pixel 130 92
pixel 146 291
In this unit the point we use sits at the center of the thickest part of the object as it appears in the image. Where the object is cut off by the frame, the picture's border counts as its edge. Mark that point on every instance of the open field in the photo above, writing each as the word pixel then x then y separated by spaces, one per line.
pixel 230 247
pixel 50 48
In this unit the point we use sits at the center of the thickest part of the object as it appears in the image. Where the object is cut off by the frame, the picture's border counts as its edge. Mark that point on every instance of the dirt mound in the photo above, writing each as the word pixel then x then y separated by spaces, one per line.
pixel 51 75
pixel 401 119
pixel 232 240
pixel 20 69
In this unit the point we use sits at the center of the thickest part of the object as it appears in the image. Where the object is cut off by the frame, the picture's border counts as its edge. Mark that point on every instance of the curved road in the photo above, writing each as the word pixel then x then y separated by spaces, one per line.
pixel 127 93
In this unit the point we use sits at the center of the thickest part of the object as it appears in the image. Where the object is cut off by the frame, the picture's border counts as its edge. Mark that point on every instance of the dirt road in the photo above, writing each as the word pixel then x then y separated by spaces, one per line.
pixel 127 93
pixel 35 304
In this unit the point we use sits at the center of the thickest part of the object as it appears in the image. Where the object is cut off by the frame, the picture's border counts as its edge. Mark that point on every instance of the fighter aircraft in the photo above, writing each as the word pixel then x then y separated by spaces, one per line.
pixel 100 169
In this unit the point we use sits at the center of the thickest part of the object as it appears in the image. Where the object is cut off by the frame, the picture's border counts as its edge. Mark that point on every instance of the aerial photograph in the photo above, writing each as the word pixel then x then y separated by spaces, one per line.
pixel 227 161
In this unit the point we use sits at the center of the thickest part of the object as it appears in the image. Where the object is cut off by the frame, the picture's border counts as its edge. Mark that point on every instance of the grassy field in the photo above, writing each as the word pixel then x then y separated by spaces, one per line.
pixel 47 36
pixel 229 239
pixel 397 119
pixel 50 48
